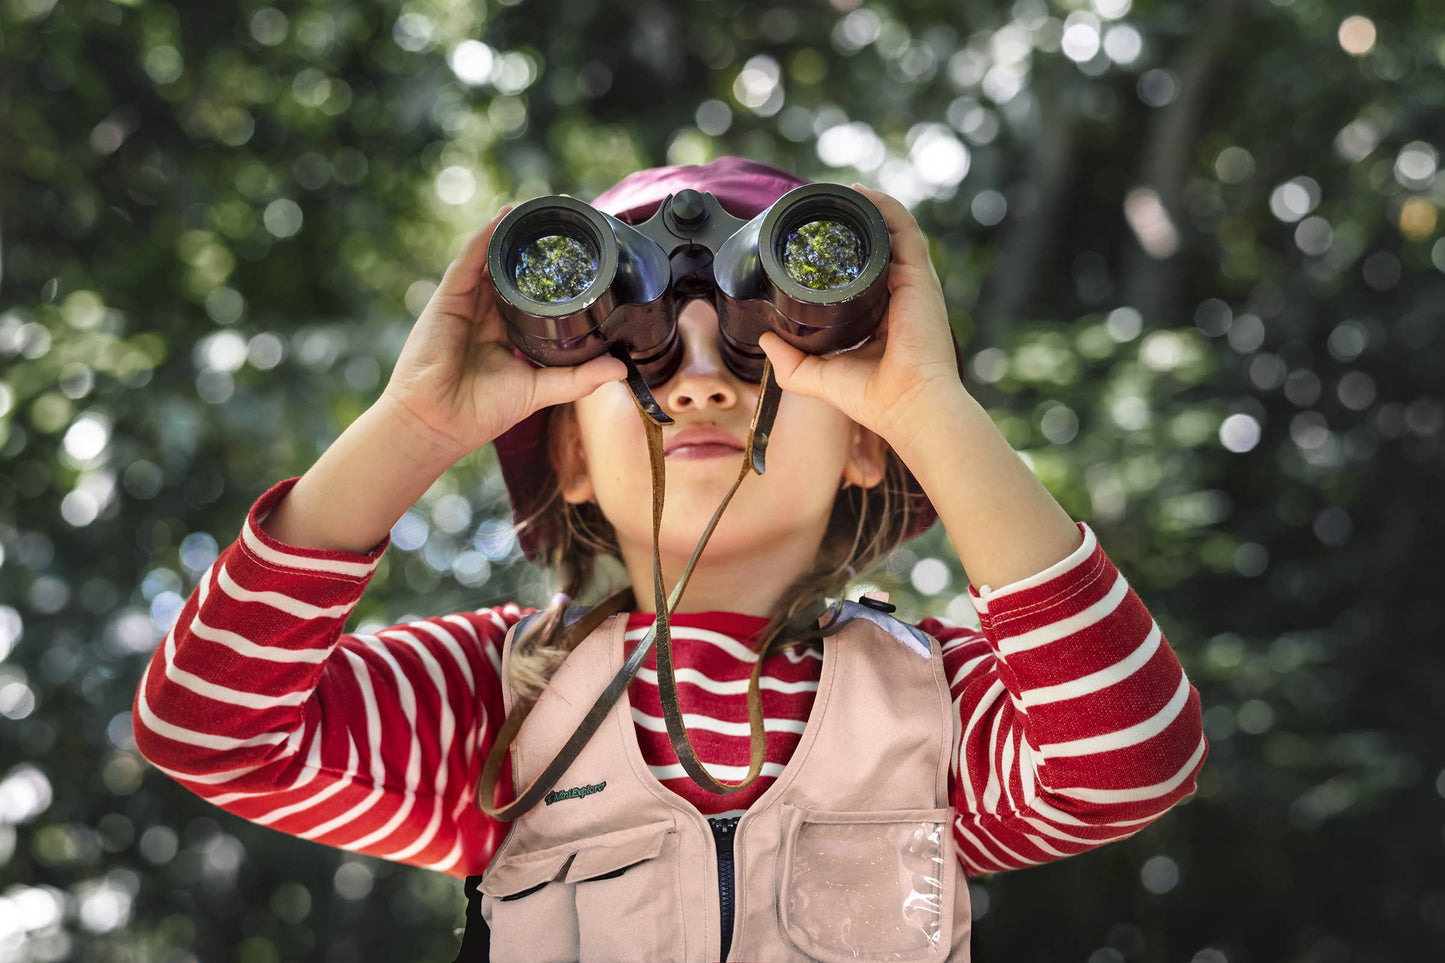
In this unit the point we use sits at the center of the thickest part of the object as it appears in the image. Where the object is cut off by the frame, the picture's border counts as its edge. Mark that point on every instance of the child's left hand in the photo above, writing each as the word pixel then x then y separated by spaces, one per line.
pixel 909 362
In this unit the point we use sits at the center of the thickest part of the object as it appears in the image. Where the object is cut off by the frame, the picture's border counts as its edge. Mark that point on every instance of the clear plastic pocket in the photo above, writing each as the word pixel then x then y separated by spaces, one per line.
pixel 868 886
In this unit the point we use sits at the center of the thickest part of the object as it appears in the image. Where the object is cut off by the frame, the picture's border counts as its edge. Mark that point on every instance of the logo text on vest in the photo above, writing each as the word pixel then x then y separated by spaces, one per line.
pixel 557 795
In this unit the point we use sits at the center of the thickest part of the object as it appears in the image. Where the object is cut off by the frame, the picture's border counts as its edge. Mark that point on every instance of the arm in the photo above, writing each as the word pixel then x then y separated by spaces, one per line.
pixel 1002 521
pixel 1076 725
pixel 258 702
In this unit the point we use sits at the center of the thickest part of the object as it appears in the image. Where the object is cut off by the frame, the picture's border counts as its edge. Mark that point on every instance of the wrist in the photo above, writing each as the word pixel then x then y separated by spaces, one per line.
pixel 930 416
pixel 408 436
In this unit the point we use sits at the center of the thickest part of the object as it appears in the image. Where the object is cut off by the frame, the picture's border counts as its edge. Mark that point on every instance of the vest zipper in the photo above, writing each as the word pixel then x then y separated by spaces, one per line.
pixel 724 829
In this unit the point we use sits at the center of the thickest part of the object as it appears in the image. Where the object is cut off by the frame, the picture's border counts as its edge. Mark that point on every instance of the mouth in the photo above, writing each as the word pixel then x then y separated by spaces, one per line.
pixel 693 452
pixel 700 442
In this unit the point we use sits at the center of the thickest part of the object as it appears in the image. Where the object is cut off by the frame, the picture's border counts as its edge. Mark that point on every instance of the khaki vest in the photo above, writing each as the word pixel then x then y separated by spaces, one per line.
pixel 849 855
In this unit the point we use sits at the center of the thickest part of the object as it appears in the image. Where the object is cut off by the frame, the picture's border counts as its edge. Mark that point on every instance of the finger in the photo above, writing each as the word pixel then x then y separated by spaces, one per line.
pixel 803 373
pixel 465 271
pixel 904 235
pixel 560 384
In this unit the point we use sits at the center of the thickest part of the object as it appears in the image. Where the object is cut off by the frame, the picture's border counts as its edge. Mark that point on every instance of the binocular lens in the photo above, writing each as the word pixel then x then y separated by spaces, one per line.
pixel 555 267
pixel 823 254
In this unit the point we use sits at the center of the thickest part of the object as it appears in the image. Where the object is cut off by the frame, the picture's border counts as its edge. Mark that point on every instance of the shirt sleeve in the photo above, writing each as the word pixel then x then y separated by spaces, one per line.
pixel 1075 723
pixel 258 702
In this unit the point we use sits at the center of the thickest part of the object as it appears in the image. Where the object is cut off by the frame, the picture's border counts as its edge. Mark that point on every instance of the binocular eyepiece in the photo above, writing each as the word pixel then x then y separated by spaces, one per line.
pixel 573 282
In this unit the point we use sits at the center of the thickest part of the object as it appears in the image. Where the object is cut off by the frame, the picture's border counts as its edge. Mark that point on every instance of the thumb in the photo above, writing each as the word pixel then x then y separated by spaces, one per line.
pixel 795 370
pixel 560 384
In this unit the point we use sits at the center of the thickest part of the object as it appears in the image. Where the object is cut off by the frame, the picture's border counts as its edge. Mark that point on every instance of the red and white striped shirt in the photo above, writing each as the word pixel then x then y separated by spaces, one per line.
pixel 1075 724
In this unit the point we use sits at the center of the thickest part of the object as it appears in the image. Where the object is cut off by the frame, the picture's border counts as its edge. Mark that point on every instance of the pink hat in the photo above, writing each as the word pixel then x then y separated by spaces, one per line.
pixel 745 188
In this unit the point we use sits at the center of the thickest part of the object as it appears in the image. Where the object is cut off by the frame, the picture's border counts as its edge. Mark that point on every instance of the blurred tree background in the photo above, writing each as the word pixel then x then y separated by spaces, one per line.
pixel 1193 249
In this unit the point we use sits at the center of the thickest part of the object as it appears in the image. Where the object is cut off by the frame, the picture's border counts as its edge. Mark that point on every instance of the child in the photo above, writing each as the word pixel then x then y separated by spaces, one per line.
pixel 899 759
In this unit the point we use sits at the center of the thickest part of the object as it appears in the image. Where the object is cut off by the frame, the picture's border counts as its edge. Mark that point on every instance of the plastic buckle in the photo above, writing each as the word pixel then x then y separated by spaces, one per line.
pixel 877 604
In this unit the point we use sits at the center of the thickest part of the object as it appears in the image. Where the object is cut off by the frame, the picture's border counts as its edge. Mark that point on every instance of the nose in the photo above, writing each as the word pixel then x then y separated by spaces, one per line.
pixel 702 380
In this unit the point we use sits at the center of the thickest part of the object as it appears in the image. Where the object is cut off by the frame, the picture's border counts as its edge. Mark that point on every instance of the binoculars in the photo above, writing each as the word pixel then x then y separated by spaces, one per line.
pixel 573 282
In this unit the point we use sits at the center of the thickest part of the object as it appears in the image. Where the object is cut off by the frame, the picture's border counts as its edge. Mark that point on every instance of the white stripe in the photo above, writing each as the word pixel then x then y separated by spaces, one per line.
pixel 450 859
pixel 991 787
pixel 694 721
pixel 448 642
pixel 1062 836
pixel 994 693
pixel 427 835
pixel 245 647
pixel 797 653
pixel 962 640
pixel 309 773
pixel 448 730
pixel 1139 793
pixel 373 734
pixel 191 737
pixel 1128 736
pixel 280 601
pixel 343 819
pixel 220 693
pixel 1057 854
pixel 268 554
pixel 1063 628
pixel 1102 679
pixel 1007 767
pixel 1027 768
pixel 455 648
pixel 729 773
pixel 1047 811
pixel 1020 860
pixel 735 687
pixel 387 828
pixel 407 696
pixel 207 779
pixel 984 851
pixel 444 712
pixel 972 866
pixel 494 652
pixel 469 786
pixel 313 761
pixel 692 633
pixel 965 670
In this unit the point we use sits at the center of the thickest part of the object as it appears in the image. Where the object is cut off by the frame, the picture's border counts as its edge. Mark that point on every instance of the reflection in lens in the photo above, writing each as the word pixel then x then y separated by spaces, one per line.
pixel 823 254
pixel 555 268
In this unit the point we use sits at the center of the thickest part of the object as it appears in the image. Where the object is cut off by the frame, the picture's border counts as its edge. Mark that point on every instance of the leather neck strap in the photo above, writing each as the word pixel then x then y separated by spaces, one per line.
pixel 807 624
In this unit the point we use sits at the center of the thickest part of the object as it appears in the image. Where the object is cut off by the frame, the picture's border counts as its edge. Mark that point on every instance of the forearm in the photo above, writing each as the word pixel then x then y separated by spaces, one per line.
pixel 374 471
pixel 1002 521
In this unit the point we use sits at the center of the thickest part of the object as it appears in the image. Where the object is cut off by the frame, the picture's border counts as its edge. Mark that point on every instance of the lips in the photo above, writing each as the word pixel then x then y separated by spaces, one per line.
pixel 700 435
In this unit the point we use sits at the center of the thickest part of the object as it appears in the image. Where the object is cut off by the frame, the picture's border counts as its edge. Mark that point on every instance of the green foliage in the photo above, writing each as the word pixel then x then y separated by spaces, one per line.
pixel 1194 252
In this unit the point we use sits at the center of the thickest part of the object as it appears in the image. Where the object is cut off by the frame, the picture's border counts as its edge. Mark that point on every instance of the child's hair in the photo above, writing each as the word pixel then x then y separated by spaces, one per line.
pixel 866 526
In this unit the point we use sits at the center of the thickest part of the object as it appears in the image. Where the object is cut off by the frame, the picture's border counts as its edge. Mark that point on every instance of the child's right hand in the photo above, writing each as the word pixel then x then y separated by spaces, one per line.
pixel 457 374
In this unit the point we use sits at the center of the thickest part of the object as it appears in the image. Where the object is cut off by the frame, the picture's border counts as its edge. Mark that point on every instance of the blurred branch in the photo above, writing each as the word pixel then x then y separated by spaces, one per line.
pixel 1028 243
pixel 1151 279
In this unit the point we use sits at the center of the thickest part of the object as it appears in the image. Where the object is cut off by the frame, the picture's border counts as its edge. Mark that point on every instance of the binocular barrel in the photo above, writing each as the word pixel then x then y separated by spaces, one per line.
pixel 573 282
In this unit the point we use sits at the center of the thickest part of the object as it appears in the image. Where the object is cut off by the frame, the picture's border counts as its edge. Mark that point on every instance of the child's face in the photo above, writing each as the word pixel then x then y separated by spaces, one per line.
pixel 784 511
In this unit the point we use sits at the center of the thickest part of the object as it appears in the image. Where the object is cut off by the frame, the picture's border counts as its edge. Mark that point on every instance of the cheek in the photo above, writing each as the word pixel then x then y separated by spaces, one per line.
pixel 612 434
pixel 817 432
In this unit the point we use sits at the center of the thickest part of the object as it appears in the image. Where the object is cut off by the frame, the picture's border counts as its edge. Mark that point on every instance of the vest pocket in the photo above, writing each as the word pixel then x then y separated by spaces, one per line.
pixel 628 890
pixel 868 885
pixel 615 896
pixel 531 916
